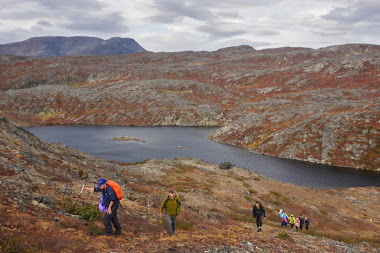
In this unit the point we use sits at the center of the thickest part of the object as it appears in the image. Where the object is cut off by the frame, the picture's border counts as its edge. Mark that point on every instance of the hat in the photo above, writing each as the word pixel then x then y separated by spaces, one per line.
pixel 102 181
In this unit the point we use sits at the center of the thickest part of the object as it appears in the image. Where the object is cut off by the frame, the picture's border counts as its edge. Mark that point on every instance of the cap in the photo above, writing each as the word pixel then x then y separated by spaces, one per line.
pixel 102 181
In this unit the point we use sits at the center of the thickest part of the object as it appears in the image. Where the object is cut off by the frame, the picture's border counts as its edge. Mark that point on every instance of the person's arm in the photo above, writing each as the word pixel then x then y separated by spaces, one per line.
pixel 162 206
pixel 109 210
pixel 179 210
pixel 88 188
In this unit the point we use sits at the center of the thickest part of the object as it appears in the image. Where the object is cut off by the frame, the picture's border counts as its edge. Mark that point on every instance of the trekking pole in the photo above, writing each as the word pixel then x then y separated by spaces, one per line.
pixel 79 196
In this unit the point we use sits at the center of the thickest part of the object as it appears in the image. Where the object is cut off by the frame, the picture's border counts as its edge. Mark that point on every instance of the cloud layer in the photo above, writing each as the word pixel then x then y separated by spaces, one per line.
pixel 167 25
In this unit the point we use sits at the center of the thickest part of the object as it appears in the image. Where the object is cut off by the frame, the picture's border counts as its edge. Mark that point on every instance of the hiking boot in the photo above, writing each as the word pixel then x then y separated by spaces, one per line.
pixel 108 234
pixel 118 232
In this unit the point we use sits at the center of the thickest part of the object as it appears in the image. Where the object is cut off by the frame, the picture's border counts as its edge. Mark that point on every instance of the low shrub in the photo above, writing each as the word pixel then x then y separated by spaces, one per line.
pixel 88 212
pixel 13 245
pixel 283 235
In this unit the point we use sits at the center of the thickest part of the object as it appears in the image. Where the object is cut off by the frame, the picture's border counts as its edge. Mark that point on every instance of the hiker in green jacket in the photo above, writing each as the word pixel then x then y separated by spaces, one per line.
pixel 173 207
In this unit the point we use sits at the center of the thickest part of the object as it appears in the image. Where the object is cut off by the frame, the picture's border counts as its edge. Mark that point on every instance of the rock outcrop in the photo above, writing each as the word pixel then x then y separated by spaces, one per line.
pixel 314 105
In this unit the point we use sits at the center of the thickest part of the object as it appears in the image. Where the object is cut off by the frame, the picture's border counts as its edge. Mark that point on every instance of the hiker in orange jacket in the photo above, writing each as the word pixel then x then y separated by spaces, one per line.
pixel 111 202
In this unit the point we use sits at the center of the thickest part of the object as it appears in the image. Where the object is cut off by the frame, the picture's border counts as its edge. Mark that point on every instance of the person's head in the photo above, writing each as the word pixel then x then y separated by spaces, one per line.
pixel 171 194
pixel 257 204
pixel 305 218
pixel 291 215
pixel 102 183
pixel 281 211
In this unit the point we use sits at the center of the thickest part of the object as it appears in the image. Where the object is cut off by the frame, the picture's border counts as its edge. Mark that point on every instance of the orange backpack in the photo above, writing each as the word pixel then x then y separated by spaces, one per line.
pixel 116 188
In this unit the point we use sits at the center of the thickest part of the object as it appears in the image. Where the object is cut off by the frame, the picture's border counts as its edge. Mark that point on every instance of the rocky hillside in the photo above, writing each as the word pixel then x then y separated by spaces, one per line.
pixel 80 45
pixel 318 105
pixel 40 181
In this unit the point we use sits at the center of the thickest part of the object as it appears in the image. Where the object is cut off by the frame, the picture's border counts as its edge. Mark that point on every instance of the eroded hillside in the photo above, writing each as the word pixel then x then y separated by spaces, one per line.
pixel 316 105
pixel 38 177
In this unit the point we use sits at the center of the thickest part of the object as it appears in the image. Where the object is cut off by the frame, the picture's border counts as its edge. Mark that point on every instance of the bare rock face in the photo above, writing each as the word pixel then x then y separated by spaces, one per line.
pixel 315 105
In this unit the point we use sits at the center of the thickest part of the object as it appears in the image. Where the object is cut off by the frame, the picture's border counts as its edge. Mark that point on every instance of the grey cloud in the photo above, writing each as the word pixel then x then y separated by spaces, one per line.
pixel 170 11
pixel 368 11
pixel 83 5
pixel 44 23
pixel 111 23
pixel 223 29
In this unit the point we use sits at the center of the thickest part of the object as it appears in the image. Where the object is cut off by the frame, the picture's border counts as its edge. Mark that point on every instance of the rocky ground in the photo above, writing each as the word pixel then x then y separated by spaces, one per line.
pixel 37 178
pixel 318 105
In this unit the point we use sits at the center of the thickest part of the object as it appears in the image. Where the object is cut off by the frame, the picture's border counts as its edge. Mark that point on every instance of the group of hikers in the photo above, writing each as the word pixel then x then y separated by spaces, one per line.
pixel 110 202
pixel 171 205
pixel 297 222
pixel 258 212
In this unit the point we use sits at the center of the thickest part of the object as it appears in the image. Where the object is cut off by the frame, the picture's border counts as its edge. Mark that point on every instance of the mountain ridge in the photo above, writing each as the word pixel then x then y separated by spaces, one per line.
pixel 51 46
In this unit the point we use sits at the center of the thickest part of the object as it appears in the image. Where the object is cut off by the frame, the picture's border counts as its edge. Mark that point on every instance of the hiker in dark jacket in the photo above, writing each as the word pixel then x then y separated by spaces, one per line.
pixel 302 221
pixel 307 223
pixel 258 212
pixel 173 207
pixel 111 203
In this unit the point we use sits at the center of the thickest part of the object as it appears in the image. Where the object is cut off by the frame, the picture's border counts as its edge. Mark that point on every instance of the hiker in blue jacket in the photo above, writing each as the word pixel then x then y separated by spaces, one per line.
pixel 284 218
pixel 111 203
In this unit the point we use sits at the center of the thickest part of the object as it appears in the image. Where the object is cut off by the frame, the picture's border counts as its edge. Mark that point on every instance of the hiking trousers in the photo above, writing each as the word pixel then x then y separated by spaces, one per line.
pixel 259 221
pixel 108 218
pixel 170 223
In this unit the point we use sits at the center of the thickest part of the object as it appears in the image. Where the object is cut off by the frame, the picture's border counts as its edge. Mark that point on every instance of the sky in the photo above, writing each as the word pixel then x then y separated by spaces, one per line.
pixel 196 25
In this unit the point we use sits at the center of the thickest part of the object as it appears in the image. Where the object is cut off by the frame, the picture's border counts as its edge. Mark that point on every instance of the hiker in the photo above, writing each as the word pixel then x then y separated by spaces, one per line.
pixel 173 207
pixel 111 203
pixel 284 218
pixel 292 220
pixel 302 221
pixel 307 223
pixel 258 212
pixel 297 223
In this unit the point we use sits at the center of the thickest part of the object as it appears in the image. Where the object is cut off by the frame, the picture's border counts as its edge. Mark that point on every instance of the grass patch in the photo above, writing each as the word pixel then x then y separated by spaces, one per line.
pixel 277 194
pixel 246 185
pixel 283 235
pixel 323 212
pixel 275 202
pixel 185 226
pixel 88 212
pixel 95 230
pixel 214 210
pixel 252 191
pixel 242 217
pixel 13 245
pixel 238 178
pixel 256 179
pixel 248 198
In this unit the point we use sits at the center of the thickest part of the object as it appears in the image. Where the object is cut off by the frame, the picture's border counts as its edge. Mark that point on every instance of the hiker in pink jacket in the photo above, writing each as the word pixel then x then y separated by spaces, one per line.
pixel 297 223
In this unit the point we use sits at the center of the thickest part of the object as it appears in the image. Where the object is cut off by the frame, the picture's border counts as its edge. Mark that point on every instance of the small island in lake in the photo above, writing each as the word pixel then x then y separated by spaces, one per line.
pixel 126 138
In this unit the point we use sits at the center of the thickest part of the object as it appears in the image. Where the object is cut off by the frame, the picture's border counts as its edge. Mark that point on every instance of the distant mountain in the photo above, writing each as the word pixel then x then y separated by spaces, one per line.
pixel 79 45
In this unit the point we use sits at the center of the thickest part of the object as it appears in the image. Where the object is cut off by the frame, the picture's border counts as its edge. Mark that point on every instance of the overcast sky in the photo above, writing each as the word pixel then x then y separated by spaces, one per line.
pixel 180 25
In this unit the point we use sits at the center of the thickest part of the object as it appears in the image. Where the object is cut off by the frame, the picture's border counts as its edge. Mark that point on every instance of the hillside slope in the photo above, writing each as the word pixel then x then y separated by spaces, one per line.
pixel 38 177
pixel 318 105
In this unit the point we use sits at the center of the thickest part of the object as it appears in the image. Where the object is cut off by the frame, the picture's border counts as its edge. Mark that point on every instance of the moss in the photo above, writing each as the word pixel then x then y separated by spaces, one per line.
pixel 283 235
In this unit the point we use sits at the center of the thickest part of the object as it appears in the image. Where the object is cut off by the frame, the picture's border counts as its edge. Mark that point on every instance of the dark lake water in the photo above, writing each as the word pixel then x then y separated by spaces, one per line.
pixel 163 142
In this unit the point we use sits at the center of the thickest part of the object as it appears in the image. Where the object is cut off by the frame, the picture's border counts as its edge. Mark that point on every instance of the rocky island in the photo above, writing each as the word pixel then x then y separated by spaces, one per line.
pixel 126 138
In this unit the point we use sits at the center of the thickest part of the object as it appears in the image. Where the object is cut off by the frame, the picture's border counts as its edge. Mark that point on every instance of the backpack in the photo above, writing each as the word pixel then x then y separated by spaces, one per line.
pixel 287 218
pixel 116 188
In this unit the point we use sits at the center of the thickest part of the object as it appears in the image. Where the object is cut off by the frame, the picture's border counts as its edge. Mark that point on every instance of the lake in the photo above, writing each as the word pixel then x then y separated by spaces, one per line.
pixel 171 142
